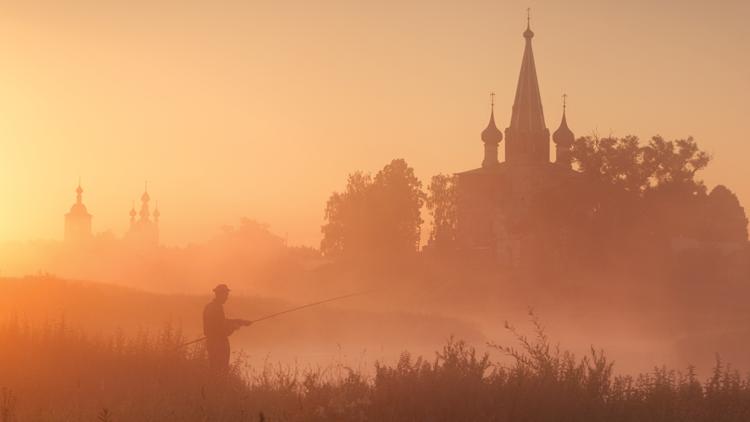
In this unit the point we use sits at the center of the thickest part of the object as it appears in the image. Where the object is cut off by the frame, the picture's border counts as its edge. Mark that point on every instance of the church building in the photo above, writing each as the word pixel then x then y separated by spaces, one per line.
pixel 144 230
pixel 144 224
pixel 78 221
pixel 495 201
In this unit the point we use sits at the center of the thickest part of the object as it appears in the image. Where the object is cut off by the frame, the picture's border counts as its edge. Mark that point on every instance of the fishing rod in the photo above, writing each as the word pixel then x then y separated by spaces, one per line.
pixel 263 318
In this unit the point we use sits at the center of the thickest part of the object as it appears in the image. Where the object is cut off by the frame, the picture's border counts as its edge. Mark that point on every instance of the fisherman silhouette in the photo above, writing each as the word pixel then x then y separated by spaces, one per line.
pixel 217 329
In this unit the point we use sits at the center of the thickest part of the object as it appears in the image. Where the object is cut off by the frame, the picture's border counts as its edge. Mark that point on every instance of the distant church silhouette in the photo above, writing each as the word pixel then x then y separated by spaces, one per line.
pixel 494 200
pixel 143 231
pixel 78 221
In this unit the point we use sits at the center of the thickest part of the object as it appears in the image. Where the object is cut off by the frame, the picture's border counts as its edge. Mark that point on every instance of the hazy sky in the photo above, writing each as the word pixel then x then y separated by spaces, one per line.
pixel 261 108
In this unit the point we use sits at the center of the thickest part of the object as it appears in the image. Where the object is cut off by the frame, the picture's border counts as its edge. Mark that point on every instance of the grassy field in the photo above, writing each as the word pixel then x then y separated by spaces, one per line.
pixel 80 351
pixel 54 372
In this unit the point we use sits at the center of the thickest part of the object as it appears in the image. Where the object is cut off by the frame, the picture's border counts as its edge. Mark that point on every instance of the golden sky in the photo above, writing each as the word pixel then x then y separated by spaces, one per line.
pixel 261 108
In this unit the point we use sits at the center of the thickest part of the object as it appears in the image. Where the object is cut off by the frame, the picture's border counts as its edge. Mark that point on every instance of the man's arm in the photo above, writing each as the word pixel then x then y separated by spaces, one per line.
pixel 240 322
pixel 235 324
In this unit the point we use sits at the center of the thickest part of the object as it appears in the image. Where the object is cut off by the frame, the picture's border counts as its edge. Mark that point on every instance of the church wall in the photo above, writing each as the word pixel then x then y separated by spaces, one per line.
pixel 77 228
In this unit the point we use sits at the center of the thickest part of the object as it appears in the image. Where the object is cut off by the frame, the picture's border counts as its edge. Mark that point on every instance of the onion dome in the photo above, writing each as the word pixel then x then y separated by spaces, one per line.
pixel 145 197
pixel 563 136
pixel 491 134
pixel 157 213
pixel 78 207
pixel 132 212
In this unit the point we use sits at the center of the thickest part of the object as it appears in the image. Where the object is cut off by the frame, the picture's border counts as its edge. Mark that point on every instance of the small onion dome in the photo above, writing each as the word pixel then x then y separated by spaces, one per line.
pixel 145 197
pixel 157 214
pixel 563 135
pixel 132 212
pixel 528 33
pixel 491 134
pixel 78 208
pixel 79 190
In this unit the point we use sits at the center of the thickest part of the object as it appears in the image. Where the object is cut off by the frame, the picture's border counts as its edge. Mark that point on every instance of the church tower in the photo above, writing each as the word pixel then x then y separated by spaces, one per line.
pixel 144 231
pixel 499 205
pixel 527 137
pixel 78 221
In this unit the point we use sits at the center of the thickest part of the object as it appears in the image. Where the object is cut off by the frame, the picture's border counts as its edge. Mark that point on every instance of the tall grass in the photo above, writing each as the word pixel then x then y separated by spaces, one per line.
pixel 55 373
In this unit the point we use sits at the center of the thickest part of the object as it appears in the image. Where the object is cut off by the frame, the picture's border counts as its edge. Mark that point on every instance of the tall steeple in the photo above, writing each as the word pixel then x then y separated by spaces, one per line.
pixel 527 136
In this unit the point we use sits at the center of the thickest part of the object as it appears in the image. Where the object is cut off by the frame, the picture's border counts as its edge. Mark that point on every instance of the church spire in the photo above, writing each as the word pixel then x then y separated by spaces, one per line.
pixel 79 192
pixel 145 213
pixel 527 136
pixel 527 107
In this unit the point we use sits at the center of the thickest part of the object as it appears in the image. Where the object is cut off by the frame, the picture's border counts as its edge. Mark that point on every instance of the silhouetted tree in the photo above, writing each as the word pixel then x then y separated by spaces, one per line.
pixel 674 198
pixel 441 202
pixel 375 217
pixel 642 196
pixel 618 162
pixel 725 218
pixel 345 216
pixel 626 164
pixel 673 164
pixel 399 200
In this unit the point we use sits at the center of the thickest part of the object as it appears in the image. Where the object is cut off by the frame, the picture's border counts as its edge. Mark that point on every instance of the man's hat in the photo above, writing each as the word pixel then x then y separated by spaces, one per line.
pixel 221 288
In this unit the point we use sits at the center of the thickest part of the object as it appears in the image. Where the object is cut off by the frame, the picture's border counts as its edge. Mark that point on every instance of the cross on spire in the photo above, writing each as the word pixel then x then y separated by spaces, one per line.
pixel 528 17
pixel 492 100
pixel 565 100
pixel 528 34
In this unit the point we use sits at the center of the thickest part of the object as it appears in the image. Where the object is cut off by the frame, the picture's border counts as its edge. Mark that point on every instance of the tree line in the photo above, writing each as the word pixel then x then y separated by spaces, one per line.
pixel 630 192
